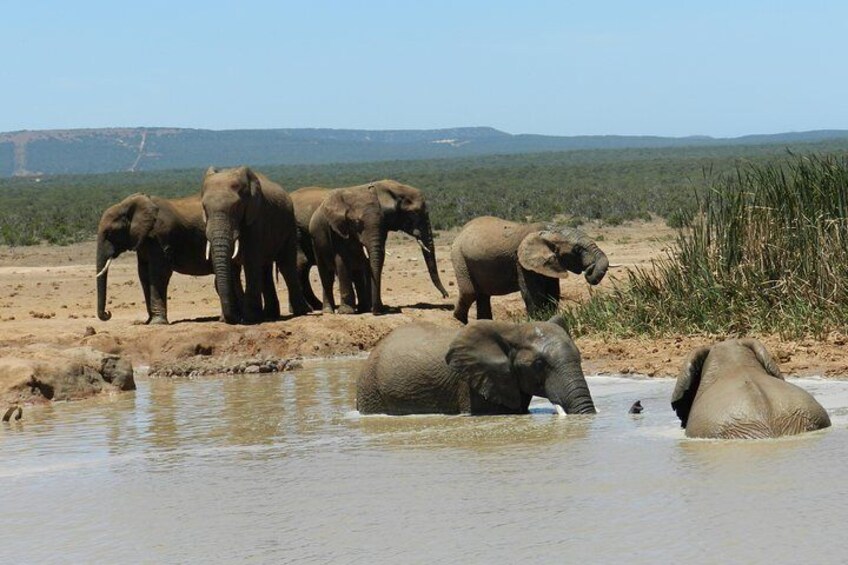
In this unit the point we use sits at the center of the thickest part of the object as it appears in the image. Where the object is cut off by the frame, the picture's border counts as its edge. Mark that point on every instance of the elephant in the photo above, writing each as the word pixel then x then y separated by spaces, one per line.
pixel 735 390
pixel 348 232
pixel 484 368
pixel 250 222
pixel 167 236
pixel 492 257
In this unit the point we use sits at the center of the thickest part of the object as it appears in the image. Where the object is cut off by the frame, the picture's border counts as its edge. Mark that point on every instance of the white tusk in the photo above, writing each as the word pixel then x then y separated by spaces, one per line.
pixel 559 410
pixel 365 249
pixel 105 268
pixel 616 266
pixel 208 249
pixel 424 248
pixel 235 250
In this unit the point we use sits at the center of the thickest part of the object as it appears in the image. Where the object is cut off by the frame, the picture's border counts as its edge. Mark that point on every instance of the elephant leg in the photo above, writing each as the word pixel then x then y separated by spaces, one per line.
pixel 252 313
pixel 144 280
pixel 271 304
pixel 346 293
pixel 303 267
pixel 159 275
pixel 362 282
pixel 326 271
pixel 484 307
pixel 463 304
pixel 467 296
pixel 287 264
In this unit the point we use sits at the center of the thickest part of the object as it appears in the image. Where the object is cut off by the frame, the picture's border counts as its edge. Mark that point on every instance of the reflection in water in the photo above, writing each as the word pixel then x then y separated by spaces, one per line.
pixel 281 468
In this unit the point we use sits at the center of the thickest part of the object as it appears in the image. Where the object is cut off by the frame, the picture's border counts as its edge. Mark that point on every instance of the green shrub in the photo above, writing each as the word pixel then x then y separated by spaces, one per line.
pixel 767 252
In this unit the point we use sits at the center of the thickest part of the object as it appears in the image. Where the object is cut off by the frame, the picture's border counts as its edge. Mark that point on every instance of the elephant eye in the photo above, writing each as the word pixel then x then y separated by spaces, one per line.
pixel 538 364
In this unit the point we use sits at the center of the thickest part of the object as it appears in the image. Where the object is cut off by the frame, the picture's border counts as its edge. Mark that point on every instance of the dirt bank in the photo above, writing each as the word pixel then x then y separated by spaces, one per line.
pixel 47 296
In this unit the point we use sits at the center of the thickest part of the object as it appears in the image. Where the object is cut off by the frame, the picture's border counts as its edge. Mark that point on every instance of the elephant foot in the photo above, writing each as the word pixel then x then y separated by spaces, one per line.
pixel 301 310
pixel 382 309
pixel 157 321
pixel 346 309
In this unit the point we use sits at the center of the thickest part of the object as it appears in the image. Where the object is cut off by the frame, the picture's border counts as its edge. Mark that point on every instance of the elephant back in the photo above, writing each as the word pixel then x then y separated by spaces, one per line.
pixel 406 373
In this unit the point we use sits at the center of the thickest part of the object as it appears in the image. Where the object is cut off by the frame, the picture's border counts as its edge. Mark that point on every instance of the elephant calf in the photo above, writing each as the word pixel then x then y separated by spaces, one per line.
pixel 492 257
pixel 167 236
pixel 734 390
pixel 484 368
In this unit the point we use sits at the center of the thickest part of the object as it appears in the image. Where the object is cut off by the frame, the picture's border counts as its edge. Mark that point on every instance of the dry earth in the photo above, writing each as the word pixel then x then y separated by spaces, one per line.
pixel 47 296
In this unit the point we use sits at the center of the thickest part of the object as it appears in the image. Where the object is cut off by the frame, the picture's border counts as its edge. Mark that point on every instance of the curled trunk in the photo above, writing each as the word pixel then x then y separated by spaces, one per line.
pixel 595 263
pixel 105 252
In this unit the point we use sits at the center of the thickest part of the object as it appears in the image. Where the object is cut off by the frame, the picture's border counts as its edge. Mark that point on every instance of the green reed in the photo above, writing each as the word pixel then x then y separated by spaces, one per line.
pixel 765 253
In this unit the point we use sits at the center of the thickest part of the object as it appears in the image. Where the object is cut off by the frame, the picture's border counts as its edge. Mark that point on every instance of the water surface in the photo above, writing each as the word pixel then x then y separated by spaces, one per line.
pixel 261 468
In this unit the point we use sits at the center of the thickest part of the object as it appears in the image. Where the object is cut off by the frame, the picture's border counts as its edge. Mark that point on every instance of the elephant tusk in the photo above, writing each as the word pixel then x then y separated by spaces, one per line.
pixel 615 266
pixel 235 250
pixel 559 410
pixel 424 248
pixel 365 249
pixel 105 268
pixel 208 249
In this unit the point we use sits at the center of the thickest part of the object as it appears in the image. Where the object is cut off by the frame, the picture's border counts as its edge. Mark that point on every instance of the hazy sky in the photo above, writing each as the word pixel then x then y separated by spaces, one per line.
pixel 721 68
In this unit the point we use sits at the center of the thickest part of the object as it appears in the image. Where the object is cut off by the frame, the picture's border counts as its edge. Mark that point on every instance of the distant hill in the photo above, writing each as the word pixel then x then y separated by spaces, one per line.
pixel 27 153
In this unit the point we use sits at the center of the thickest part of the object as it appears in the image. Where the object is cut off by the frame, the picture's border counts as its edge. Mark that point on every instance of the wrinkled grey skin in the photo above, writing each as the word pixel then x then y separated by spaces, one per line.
pixel 167 236
pixel 492 257
pixel 348 234
pixel 485 368
pixel 240 205
pixel 734 390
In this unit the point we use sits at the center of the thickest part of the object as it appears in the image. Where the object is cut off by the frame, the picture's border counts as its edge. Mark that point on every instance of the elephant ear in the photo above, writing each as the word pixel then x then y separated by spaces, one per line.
pixel 764 357
pixel 143 213
pixel 337 210
pixel 254 199
pixel 687 384
pixel 540 254
pixel 389 200
pixel 481 354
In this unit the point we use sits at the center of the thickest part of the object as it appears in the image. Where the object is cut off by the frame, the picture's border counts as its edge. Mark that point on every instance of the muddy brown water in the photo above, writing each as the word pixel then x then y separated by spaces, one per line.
pixel 280 468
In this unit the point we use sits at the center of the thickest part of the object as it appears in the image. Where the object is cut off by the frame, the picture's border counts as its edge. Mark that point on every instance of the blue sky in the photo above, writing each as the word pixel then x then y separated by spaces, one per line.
pixel 563 68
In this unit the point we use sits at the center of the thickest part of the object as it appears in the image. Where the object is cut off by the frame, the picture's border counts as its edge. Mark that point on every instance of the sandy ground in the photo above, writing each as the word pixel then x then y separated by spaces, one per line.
pixel 47 295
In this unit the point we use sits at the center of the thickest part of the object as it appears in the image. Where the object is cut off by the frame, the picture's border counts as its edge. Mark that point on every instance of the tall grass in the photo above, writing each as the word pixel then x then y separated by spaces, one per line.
pixel 766 253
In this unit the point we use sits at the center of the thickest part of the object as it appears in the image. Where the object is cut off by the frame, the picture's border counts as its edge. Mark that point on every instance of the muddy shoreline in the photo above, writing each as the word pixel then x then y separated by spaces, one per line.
pixel 47 298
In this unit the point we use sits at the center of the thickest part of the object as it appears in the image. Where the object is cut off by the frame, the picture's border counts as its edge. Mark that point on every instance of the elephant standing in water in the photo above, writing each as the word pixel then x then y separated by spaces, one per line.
pixel 484 368
pixel 492 257
pixel 250 221
pixel 735 390
pixel 167 236
pixel 348 234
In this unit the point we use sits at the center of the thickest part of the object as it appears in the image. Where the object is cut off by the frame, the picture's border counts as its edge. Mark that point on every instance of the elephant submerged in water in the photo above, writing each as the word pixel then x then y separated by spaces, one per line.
pixel 167 236
pixel 347 234
pixel 484 368
pixel 492 257
pixel 250 223
pixel 735 390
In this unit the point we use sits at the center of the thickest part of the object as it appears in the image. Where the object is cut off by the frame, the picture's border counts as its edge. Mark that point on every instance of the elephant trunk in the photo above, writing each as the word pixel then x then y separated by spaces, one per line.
pixel 595 264
pixel 376 244
pixel 221 251
pixel 424 235
pixel 105 254
pixel 568 388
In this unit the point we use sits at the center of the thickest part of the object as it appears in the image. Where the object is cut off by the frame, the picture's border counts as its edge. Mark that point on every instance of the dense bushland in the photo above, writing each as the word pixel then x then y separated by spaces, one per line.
pixel 766 252
pixel 612 185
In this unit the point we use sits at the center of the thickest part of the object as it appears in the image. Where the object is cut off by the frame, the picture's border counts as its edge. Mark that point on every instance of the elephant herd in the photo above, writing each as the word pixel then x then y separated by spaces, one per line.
pixel 242 222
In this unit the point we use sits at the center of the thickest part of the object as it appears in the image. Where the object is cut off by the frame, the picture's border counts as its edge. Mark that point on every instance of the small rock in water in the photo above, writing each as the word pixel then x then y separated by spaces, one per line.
pixel 250 369
pixel 636 408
